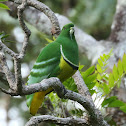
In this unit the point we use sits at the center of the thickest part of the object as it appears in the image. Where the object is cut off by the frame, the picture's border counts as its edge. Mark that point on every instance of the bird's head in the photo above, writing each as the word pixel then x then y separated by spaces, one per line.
pixel 68 30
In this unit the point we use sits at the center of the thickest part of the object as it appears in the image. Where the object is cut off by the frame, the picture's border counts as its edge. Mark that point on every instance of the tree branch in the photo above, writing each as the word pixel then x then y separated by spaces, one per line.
pixel 17 60
pixel 18 77
pixel 27 32
pixel 61 121
pixel 95 115
pixel 118 28
pixel 15 80
pixel 43 85
pixel 81 86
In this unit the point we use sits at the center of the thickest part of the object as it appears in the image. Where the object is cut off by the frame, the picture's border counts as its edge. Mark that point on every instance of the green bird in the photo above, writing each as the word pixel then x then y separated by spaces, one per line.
pixel 57 59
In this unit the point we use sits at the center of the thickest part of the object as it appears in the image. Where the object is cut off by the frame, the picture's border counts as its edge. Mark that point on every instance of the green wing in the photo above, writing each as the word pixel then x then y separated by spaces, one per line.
pixel 46 65
pixel 47 61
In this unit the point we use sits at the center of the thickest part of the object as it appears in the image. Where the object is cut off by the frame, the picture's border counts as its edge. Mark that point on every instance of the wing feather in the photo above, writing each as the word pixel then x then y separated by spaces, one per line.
pixel 45 64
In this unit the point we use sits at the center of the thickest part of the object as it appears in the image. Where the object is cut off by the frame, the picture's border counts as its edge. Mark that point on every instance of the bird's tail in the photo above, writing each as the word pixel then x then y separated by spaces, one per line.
pixel 37 100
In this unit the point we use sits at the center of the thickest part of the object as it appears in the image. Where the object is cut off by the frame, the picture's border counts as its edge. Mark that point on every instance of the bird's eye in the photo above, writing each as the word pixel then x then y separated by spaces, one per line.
pixel 71 30
pixel 64 28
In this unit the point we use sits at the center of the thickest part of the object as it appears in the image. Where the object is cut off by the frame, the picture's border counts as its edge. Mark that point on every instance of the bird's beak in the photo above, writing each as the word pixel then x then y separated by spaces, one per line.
pixel 72 30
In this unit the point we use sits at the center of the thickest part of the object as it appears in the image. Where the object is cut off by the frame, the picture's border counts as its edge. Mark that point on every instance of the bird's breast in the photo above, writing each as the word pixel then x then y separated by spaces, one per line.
pixel 66 70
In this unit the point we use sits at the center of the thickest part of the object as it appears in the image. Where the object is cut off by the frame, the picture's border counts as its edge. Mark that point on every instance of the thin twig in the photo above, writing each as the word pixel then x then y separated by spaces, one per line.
pixel 9 75
pixel 47 11
pixel 7 50
pixel 27 32
pixel 9 92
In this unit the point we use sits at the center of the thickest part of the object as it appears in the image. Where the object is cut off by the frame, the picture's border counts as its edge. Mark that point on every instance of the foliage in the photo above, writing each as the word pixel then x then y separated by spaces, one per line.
pixel 3 37
pixel 114 79
pixel 105 82
pixel 102 77
pixel 3 6
pixel 70 84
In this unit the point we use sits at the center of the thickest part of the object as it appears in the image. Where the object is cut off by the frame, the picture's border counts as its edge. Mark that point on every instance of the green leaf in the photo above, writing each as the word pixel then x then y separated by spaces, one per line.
pixel 3 0
pixel 54 38
pixel 111 80
pixel 90 78
pixel 116 103
pixel 124 62
pixel 5 36
pixel 107 57
pixel 100 62
pixel 105 64
pixel 48 40
pixel 105 88
pixel 115 73
pixel 104 55
pixel 70 84
pixel 120 67
pixel 2 34
pixel 9 41
pixel 108 100
pixel 97 84
pixel 99 77
pixel 99 69
pixel 123 108
pixel 3 6
pixel 105 76
pixel 81 67
pixel 119 83
pixel 91 85
pixel 102 58
pixel 89 71
pixel 92 91
pixel 109 120
pixel 110 53
pixel 29 99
